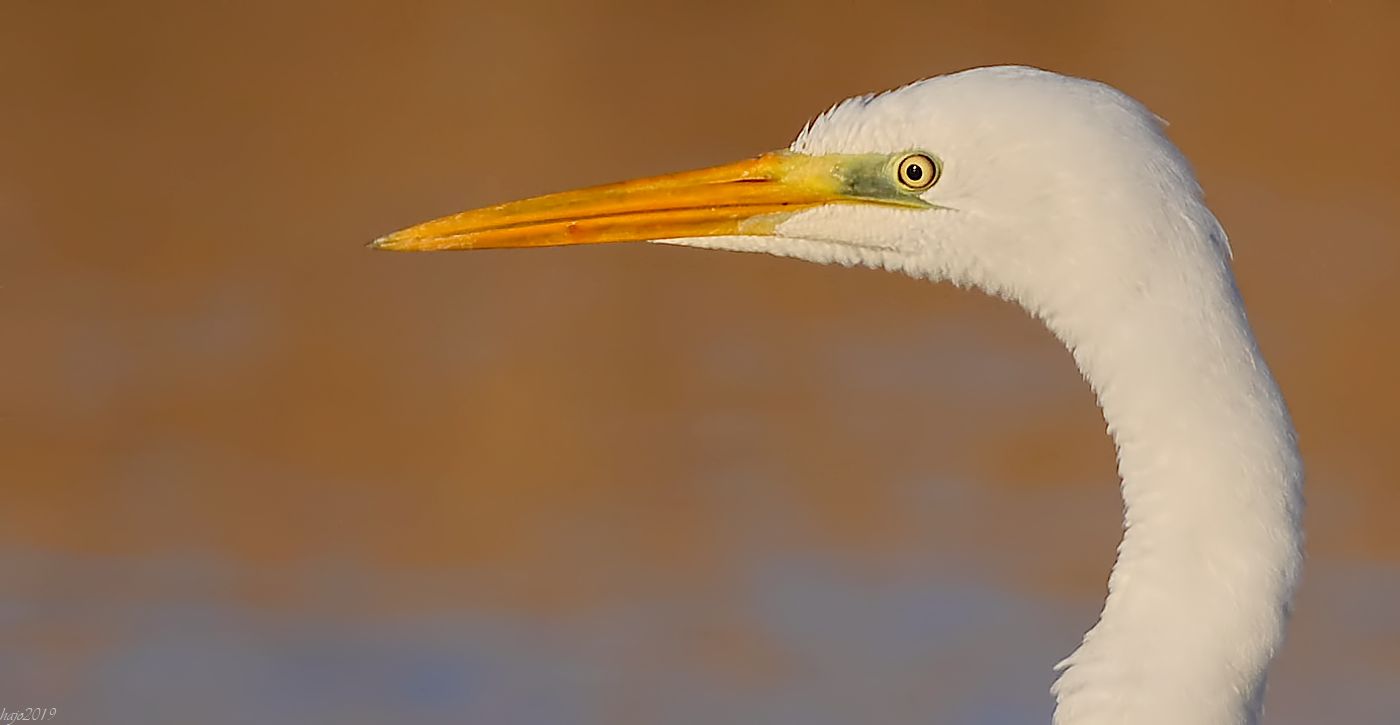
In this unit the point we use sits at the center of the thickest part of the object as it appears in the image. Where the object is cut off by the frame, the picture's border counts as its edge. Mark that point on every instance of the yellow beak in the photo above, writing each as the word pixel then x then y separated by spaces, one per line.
pixel 744 198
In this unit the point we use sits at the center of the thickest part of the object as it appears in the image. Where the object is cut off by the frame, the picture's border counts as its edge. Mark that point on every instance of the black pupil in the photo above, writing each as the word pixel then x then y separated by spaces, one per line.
pixel 914 172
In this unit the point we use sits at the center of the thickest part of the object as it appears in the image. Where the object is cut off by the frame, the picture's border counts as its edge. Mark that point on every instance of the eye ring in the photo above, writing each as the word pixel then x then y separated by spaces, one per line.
pixel 918 171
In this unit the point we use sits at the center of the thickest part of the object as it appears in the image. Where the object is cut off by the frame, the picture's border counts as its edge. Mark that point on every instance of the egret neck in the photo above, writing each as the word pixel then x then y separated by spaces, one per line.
pixel 1211 485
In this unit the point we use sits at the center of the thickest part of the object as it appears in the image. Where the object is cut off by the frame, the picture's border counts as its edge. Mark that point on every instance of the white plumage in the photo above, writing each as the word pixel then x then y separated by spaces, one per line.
pixel 1064 195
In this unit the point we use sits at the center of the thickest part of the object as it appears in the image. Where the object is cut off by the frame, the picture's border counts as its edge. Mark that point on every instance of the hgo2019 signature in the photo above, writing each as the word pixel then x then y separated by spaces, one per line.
pixel 27 714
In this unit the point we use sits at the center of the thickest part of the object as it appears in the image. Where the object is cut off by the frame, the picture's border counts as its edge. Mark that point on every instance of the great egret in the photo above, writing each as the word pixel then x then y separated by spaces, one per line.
pixel 1063 195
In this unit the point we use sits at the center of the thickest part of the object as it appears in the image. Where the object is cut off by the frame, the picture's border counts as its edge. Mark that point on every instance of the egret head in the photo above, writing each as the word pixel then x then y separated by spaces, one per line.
pixel 1028 184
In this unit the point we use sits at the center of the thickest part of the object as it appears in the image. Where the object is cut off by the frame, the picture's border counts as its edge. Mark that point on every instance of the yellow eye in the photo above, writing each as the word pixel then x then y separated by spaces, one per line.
pixel 918 171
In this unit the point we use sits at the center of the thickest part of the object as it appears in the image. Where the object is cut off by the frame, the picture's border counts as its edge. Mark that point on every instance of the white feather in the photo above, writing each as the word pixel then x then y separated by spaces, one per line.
pixel 1064 195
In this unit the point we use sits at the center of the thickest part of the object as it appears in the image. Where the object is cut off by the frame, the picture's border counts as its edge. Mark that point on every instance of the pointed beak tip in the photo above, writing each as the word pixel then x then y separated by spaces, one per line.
pixel 387 242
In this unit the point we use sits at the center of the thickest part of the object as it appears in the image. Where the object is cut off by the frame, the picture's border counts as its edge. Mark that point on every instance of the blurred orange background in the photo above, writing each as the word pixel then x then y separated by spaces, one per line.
pixel 252 469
